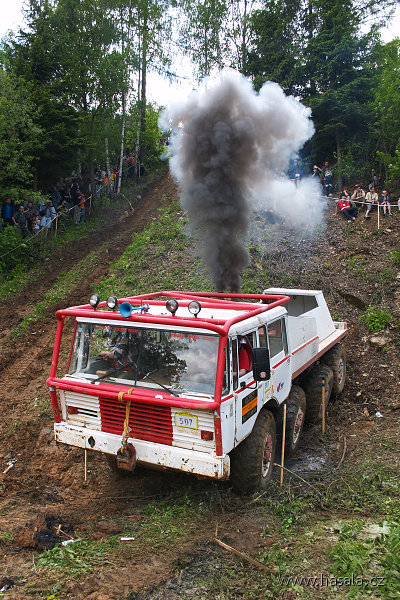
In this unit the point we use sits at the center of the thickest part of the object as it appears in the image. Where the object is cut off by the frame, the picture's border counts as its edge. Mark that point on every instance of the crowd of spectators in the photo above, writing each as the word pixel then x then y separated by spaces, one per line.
pixel 65 200
pixel 349 204
pixel 109 182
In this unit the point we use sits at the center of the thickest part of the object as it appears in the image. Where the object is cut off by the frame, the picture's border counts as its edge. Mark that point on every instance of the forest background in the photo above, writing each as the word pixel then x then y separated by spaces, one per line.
pixel 74 80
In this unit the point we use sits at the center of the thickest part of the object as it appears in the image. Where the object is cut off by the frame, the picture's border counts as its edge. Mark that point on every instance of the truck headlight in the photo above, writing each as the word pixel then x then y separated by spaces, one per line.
pixel 194 307
pixel 112 302
pixel 94 300
pixel 172 306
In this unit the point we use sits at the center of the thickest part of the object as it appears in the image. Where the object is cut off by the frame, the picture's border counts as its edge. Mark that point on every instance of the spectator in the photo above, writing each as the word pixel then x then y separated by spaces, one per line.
pixel 63 209
pixel 7 211
pixel 375 181
pixel 328 178
pixel 372 200
pixel 384 201
pixel 61 186
pixel 20 220
pixel 131 167
pixel 82 201
pixel 358 196
pixel 67 197
pixel 142 170
pixel 36 224
pixel 55 197
pixel 350 212
pixel 49 214
pixel 30 215
pixel 295 172
pixel 345 194
pixel 75 200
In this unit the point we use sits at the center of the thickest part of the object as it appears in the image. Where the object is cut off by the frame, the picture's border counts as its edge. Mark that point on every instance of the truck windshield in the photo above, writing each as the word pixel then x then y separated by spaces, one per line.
pixel 146 358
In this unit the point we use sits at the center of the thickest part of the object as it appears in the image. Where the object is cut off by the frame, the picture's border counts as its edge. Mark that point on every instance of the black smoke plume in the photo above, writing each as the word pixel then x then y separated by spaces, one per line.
pixel 227 143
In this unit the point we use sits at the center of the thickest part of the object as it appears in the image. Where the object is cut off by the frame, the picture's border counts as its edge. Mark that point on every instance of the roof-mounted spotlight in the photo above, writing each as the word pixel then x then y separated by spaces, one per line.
pixel 194 307
pixel 112 302
pixel 172 306
pixel 94 300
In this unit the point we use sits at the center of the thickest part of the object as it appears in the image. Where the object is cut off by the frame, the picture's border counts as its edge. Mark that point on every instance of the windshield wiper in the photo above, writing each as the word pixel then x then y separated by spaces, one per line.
pixel 111 372
pixel 133 364
pixel 164 387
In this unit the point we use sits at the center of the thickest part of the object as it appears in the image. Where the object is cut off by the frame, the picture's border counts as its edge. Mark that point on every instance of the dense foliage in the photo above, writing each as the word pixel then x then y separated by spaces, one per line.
pixel 69 75
pixel 73 81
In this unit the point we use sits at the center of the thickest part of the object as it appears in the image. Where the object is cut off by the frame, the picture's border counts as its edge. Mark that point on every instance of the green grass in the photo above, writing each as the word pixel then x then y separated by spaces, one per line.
pixel 376 318
pixel 37 250
pixel 394 255
pixel 65 284
pixel 160 257
pixel 370 552
pixel 78 558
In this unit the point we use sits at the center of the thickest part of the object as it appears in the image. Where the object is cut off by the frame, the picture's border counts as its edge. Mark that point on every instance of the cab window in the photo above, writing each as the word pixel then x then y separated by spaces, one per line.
pixel 277 337
pixel 262 337
pixel 241 356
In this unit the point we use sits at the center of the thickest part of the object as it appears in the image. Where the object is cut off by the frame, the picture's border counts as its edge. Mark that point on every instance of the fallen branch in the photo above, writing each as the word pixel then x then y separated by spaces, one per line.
pixel 298 476
pixel 123 195
pixel 256 563
pixel 343 454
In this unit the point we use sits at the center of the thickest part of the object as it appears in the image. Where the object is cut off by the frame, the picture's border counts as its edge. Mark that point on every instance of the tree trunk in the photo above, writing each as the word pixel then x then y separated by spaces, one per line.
pixel 91 160
pixel 144 81
pixel 339 158
pixel 310 33
pixel 108 165
pixel 121 157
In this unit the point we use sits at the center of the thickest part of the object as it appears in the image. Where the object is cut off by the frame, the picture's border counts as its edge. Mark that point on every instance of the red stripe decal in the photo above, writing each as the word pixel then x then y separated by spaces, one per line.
pixel 282 361
pixel 304 345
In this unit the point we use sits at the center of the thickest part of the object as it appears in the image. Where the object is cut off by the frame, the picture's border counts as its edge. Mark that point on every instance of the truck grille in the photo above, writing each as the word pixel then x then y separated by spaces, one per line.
pixel 146 422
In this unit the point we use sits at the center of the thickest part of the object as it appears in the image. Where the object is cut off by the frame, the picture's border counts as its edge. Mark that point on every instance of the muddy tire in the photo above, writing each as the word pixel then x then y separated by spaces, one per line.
pixel 335 358
pixel 253 460
pixel 313 390
pixel 295 419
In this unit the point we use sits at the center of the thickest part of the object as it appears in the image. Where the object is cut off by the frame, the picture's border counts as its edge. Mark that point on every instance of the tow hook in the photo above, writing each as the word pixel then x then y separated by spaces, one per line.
pixel 126 458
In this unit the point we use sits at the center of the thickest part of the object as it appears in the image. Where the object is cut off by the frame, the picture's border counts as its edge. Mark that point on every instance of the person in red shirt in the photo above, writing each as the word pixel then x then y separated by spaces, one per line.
pixel 244 357
pixel 350 212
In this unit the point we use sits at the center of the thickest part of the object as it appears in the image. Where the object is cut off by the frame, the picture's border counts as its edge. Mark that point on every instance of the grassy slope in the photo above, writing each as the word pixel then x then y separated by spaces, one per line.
pixel 304 528
pixel 331 525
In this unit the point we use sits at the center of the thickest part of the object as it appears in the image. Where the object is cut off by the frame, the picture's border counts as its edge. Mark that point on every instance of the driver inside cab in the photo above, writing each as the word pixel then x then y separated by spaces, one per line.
pixel 244 357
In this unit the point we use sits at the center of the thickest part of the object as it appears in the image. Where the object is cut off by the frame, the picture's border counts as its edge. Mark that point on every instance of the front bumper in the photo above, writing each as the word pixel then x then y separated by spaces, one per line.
pixel 147 453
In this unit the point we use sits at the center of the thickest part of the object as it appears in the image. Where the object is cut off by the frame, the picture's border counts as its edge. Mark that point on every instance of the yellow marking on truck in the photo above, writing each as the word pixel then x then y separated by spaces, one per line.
pixel 249 406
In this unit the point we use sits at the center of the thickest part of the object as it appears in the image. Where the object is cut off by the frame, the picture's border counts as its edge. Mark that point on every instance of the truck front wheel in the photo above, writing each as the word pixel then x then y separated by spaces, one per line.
pixel 335 358
pixel 253 460
pixel 313 390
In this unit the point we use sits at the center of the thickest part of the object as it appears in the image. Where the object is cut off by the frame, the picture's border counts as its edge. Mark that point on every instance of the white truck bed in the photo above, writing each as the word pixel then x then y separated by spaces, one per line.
pixel 311 330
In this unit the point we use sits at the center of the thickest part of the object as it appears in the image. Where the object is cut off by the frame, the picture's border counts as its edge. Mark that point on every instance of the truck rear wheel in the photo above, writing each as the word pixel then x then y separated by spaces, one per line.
pixel 313 390
pixel 335 358
pixel 295 418
pixel 253 460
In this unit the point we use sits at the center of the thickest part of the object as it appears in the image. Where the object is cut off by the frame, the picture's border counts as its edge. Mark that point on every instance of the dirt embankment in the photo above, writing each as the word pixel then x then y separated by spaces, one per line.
pixel 350 263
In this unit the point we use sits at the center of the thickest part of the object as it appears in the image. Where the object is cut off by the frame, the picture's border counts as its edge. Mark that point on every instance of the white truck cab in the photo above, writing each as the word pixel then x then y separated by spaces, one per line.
pixel 196 381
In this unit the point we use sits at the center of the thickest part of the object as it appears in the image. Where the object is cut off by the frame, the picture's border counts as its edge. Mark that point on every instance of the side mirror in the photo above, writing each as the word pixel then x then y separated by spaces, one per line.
pixel 261 366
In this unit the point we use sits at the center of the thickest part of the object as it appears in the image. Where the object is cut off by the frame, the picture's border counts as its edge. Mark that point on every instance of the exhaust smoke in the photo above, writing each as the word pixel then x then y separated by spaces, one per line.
pixel 228 150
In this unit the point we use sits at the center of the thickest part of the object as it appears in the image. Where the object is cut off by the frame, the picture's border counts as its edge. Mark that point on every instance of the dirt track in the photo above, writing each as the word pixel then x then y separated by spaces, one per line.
pixel 46 479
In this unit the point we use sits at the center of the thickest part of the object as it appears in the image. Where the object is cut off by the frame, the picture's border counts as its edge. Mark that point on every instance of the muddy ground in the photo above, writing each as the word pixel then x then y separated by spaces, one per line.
pixel 39 480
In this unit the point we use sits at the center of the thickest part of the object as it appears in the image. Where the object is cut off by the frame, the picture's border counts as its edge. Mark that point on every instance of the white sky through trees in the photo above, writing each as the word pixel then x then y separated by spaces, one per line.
pixel 159 90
